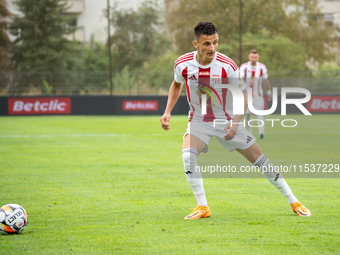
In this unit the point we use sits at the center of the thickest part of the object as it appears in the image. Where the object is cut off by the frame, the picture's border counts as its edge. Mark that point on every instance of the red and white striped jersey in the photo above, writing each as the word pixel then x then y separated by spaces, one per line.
pixel 253 75
pixel 199 79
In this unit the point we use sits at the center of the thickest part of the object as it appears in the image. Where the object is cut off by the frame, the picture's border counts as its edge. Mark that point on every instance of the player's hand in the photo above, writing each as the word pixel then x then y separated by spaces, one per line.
pixel 165 121
pixel 231 131
pixel 269 97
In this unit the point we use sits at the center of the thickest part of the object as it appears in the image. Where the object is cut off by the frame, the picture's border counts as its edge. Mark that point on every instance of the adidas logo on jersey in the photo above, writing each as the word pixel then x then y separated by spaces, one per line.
pixel 193 78
pixel 249 139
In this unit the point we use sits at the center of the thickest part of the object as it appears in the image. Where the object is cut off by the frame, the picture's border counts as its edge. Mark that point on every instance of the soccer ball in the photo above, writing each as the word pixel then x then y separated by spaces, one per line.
pixel 13 219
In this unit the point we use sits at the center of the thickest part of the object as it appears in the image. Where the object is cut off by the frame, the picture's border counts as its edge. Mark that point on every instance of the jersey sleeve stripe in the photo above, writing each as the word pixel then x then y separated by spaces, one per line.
pixel 182 61
pixel 184 57
pixel 263 65
pixel 233 66
pixel 226 60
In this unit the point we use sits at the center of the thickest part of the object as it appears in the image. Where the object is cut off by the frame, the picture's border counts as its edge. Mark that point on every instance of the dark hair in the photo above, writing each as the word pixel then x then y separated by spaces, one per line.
pixel 254 52
pixel 204 28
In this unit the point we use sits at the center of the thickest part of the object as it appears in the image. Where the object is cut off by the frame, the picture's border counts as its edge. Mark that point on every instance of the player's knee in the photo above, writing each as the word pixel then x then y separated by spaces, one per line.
pixel 194 178
pixel 189 156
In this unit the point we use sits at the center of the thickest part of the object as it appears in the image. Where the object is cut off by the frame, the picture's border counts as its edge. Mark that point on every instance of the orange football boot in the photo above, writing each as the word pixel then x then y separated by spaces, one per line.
pixel 199 212
pixel 300 209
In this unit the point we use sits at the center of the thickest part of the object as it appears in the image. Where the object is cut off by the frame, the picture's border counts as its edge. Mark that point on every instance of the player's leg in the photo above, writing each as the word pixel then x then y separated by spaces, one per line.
pixel 248 118
pixel 191 148
pixel 255 156
pixel 260 124
pixel 259 104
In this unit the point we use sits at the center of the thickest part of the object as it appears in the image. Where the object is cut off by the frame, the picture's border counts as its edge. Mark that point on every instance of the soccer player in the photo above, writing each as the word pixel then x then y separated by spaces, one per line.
pixel 200 71
pixel 253 72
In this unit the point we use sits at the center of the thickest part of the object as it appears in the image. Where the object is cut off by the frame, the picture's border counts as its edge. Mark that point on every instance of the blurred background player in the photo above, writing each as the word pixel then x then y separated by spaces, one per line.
pixel 253 73
pixel 201 71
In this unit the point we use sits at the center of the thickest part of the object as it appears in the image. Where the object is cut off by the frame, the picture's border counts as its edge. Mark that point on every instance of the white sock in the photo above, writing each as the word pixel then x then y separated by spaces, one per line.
pixel 201 199
pixel 291 199
pixel 275 177
pixel 194 178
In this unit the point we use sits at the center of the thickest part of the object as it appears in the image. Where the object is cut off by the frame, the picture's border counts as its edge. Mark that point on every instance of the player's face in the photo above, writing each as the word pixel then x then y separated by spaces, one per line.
pixel 206 46
pixel 253 58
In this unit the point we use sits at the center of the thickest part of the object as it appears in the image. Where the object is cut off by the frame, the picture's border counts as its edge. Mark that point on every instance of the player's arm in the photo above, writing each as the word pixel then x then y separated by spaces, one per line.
pixel 231 129
pixel 174 93
pixel 268 89
pixel 242 69
pixel 266 84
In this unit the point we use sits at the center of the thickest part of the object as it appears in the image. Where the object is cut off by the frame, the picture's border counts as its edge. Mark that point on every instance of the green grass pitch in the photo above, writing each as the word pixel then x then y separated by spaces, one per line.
pixel 116 185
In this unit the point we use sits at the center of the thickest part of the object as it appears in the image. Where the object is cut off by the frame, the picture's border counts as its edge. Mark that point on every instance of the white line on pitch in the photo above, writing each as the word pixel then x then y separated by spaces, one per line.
pixel 82 135
pixel 302 132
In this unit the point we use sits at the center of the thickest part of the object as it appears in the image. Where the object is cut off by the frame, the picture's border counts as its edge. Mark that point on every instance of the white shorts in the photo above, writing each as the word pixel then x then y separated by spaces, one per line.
pixel 258 104
pixel 206 130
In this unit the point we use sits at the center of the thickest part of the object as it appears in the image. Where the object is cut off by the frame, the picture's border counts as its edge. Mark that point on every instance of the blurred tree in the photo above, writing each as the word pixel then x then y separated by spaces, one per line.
pixel 5 44
pixel 329 71
pixel 95 57
pixel 137 36
pixel 282 56
pixel 159 72
pixel 297 20
pixel 41 49
pixel 327 79
pixel 95 65
pixel 125 80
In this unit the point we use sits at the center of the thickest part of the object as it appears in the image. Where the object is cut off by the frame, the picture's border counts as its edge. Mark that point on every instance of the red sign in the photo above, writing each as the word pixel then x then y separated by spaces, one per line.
pixel 324 104
pixel 39 105
pixel 140 105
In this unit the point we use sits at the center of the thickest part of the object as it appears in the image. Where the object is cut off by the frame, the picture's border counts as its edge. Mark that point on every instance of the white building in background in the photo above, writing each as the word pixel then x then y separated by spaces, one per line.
pixel 89 16
pixel 330 15
pixel 331 12
pixel 90 19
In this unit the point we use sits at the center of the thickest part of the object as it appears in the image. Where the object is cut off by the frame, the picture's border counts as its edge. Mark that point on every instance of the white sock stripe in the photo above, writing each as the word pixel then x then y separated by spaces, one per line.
pixel 258 159
pixel 261 161
pixel 190 150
